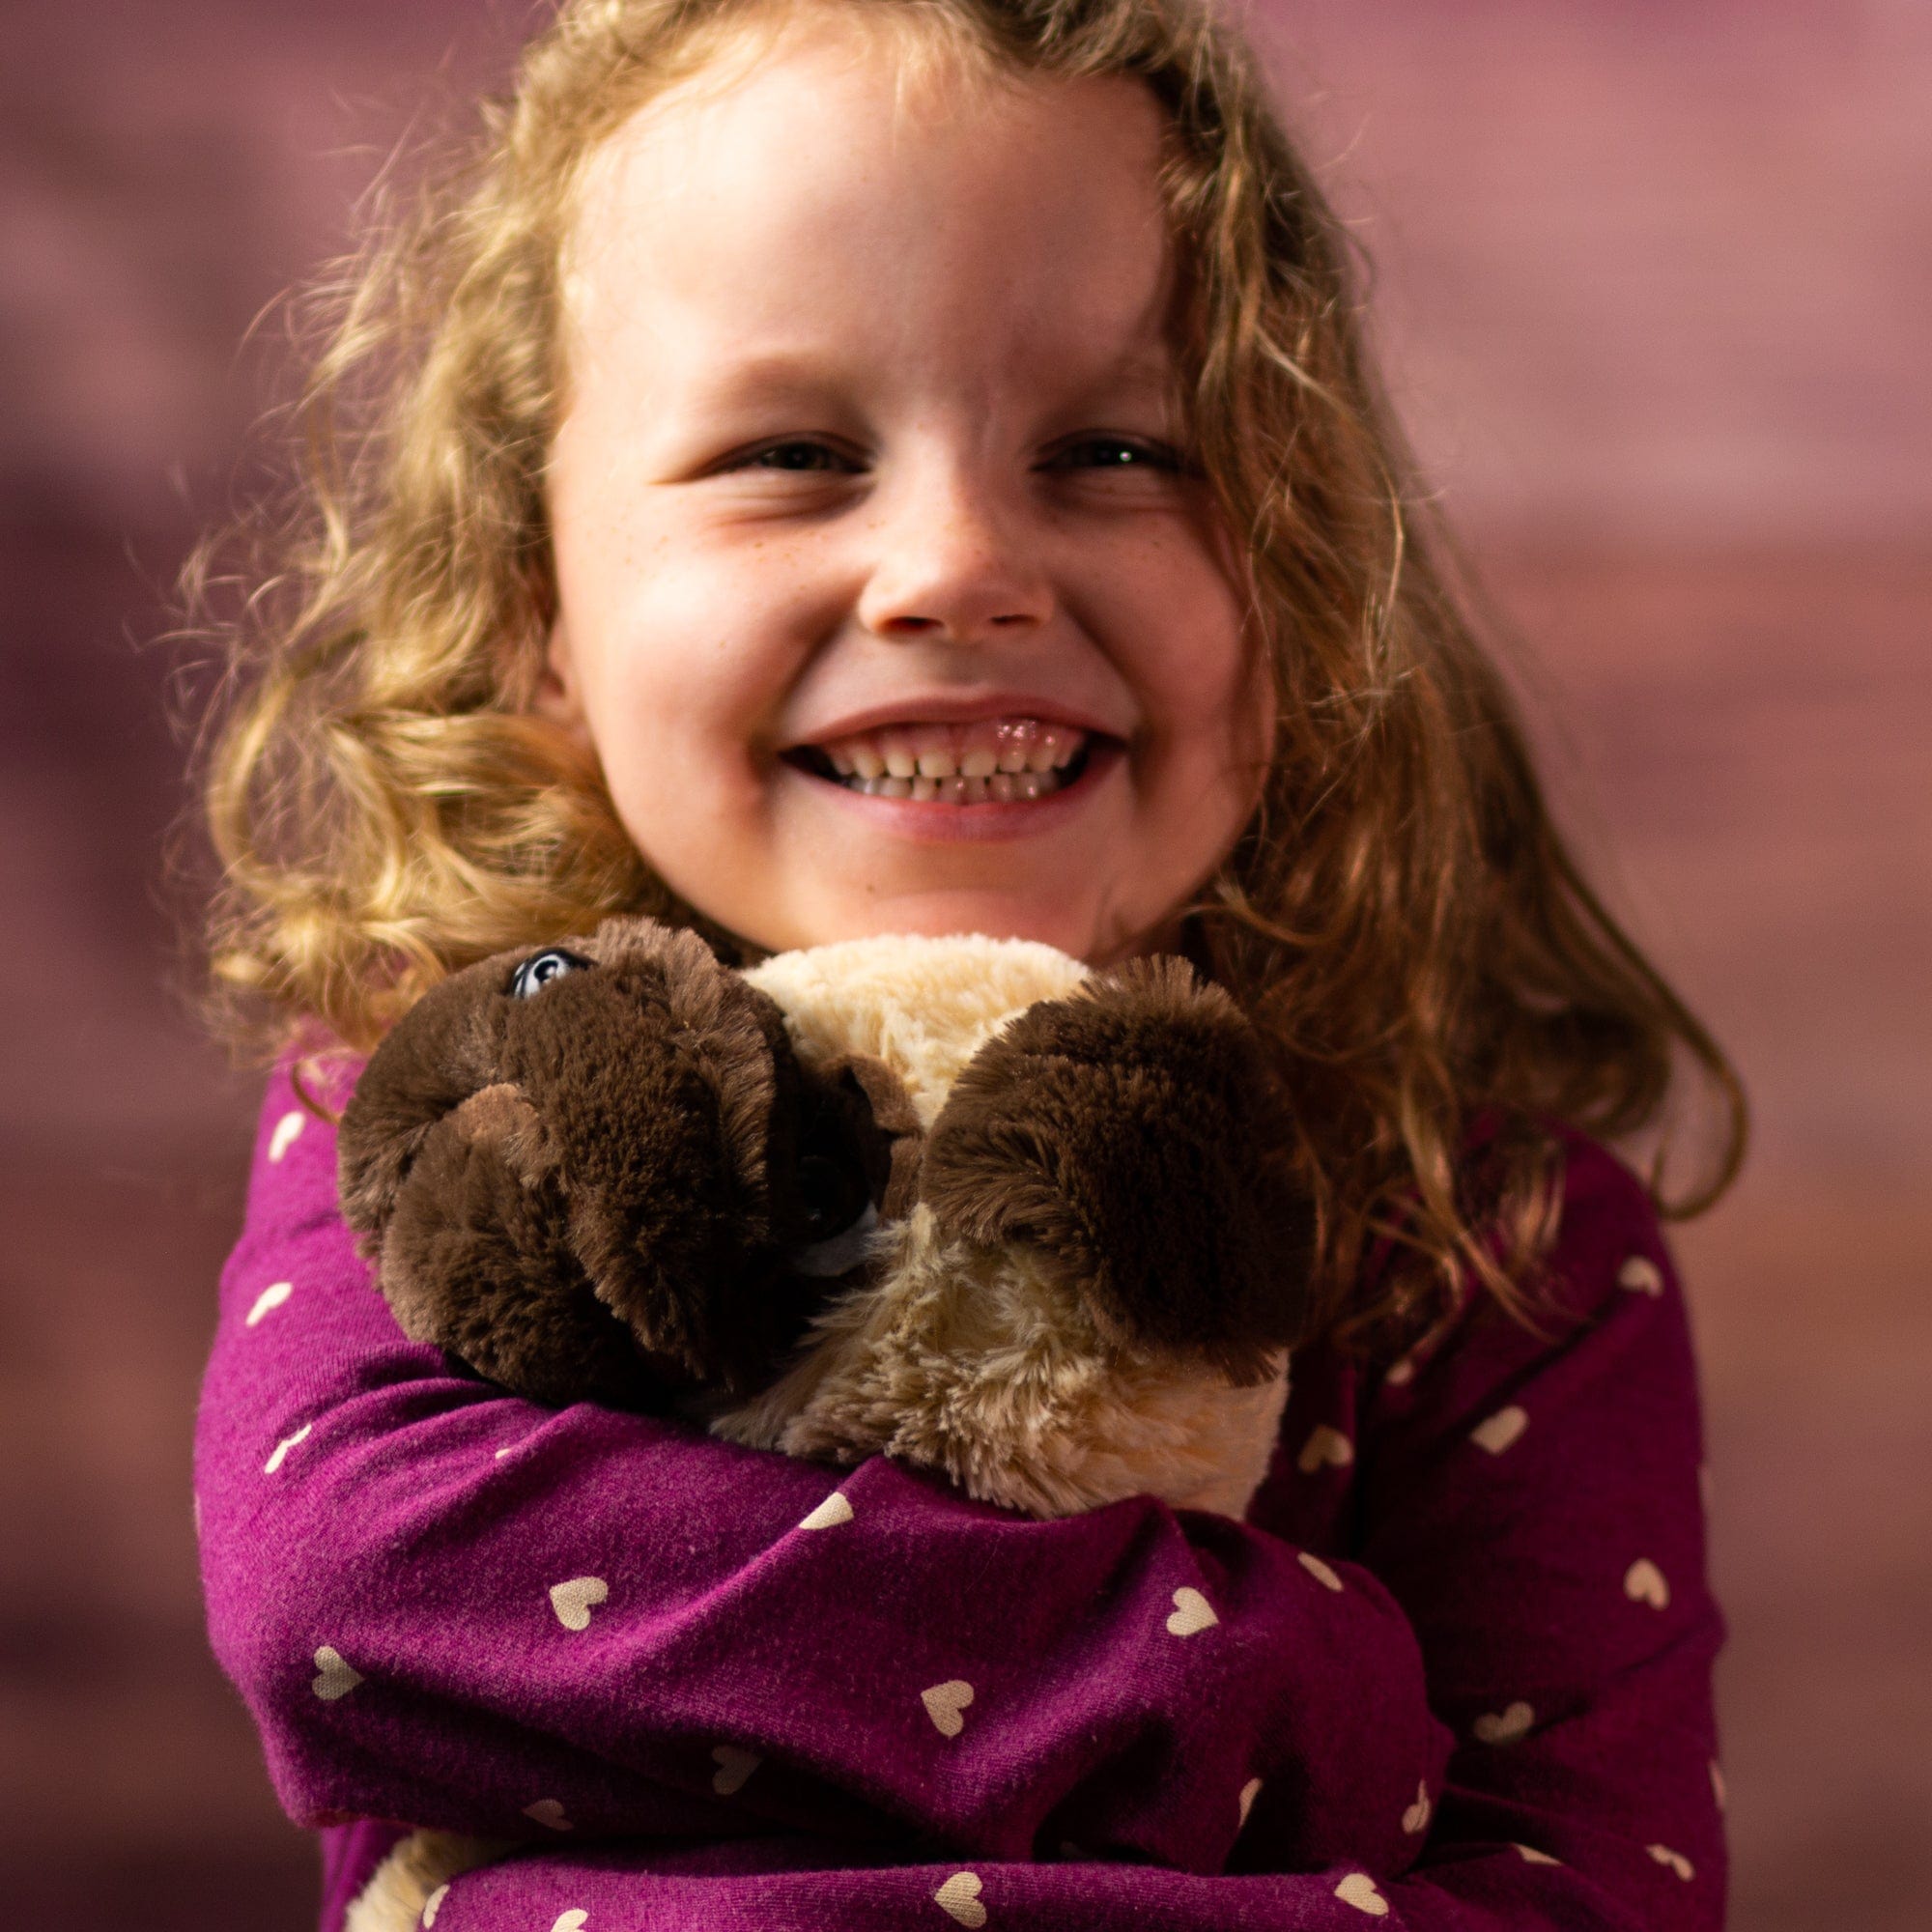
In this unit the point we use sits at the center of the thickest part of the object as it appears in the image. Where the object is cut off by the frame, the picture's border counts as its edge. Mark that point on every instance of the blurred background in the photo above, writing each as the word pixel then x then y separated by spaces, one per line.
pixel 1654 287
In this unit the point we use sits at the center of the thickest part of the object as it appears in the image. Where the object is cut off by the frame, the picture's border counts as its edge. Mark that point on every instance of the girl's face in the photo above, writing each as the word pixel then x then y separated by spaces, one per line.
pixel 884 600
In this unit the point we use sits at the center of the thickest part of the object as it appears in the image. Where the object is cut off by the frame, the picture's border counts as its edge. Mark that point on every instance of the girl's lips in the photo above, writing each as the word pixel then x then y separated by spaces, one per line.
pixel 939 819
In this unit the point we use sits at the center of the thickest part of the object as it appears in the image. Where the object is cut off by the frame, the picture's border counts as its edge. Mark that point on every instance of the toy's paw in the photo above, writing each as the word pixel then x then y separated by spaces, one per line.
pixel 476 1257
pixel 1133 1136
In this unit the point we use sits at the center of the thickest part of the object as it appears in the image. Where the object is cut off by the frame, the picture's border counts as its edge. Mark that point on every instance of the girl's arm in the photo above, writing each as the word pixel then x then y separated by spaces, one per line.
pixel 1534 1505
pixel 447 1606
pixel 1534 1502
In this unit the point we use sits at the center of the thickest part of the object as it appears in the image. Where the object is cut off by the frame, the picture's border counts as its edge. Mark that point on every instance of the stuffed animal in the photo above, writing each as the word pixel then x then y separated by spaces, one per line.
pixel 958 1201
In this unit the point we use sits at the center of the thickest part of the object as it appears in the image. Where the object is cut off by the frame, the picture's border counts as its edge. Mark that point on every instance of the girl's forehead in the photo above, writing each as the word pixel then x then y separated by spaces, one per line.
pixel 822 186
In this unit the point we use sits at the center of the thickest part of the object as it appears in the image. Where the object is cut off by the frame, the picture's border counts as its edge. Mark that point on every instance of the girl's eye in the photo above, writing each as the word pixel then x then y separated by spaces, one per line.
pixel 797 456
pixel 1113 452
pixel 535 974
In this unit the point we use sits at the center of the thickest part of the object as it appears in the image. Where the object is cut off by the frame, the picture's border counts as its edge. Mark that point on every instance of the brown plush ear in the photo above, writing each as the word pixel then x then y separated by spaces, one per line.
pixel 669 1088
pixel 476 1259
pixel 566 1175
pixel 1133 1137
pixel 442 1050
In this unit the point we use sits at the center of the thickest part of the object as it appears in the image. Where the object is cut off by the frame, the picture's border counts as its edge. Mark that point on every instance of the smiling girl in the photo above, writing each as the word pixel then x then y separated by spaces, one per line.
pixel 909 465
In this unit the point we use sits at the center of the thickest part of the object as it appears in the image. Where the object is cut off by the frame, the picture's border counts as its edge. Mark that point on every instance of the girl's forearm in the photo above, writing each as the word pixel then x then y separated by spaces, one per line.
pixel 447 1606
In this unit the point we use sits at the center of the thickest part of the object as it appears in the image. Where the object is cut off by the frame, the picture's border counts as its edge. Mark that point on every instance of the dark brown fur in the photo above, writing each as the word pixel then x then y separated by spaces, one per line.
pixel 572 1192
pixel 1133 1136
pixel 593 1192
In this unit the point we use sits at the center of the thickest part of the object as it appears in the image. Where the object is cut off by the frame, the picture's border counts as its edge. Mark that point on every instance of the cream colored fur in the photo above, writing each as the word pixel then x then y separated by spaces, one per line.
pixel 924 1006
pixel 405 1881
pixel 975 1362
pixel 969 1360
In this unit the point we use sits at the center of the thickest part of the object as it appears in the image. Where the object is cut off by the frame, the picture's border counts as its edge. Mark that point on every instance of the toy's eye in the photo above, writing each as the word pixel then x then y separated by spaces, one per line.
pixel 840 1216
pixel 534 975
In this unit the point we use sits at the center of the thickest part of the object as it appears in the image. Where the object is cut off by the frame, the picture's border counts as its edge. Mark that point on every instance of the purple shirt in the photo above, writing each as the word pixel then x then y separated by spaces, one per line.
pixel 1454 1672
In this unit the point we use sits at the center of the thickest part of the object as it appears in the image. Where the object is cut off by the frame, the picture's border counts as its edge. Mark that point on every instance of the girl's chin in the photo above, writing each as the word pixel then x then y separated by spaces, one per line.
pixel 1045 918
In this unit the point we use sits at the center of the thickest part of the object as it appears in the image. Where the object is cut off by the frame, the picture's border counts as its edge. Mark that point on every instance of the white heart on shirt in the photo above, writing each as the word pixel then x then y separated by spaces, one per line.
pixel 837 1508
pixel 334 1676
pixel 1192 1612
pixel 734 1767
pixel 1415 1819
pixel 280 1453
pixel 1359 1889
pixel 433 1904
pixel 1504 1428
pixel 1676 1860
pixel 267 1301
pixel 573 1601
pixel 1319 1570
pixel 1643 1583
pixel 1250 1791
pixel 286 1129
pixel 548 1811
pixel 1504 1727
pixel 573 1921
pixel 944 1703
pixel 1325 1447
pixel 1641 1275
pixel 959 1897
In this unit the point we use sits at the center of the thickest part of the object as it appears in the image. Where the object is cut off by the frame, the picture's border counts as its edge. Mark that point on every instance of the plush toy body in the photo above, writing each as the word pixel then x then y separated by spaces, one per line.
pixel 1005 1360
pixel 958 1200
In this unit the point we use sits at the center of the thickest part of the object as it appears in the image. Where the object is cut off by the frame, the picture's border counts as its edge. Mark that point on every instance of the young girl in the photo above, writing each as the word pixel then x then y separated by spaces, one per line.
pixel 910 466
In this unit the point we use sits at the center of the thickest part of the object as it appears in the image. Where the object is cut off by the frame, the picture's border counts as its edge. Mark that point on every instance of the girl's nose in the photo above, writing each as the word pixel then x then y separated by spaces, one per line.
pixel 953 563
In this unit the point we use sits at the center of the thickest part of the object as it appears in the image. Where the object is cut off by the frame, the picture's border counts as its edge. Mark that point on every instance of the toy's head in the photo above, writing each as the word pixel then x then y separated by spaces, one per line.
pixel 839 1191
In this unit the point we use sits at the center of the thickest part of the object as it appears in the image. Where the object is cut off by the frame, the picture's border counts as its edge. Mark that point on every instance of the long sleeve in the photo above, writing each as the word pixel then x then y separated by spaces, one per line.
pixel 449 1607
pixel 1532 1496
pixel 1532 1501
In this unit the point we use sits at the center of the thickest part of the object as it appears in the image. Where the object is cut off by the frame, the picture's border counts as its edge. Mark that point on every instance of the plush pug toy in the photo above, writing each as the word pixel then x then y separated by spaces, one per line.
pixel 958 1200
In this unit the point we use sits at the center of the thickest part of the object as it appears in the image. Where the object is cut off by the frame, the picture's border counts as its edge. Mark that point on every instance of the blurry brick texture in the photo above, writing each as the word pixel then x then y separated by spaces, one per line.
pixel 1653 283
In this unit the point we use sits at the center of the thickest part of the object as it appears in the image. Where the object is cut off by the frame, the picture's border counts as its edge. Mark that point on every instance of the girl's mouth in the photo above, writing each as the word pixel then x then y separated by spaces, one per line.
pixel 991 761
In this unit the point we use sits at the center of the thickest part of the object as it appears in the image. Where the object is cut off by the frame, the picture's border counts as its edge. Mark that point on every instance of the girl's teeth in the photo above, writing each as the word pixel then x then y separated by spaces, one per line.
pixel 994 761
pixel 1001 788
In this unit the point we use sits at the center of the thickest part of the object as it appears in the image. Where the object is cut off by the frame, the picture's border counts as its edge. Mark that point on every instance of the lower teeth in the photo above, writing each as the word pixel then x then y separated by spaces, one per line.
pixel 1002 788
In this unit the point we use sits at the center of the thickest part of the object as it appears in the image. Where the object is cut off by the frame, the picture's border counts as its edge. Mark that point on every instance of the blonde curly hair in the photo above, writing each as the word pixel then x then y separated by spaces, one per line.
pixel 1400 915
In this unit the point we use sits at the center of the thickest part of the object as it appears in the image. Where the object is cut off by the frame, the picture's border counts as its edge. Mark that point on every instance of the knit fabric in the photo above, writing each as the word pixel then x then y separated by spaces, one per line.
pixel 1454 1671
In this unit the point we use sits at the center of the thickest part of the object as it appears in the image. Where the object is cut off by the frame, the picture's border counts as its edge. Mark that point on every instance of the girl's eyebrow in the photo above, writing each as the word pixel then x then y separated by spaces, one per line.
pixel 1139 375
pixel 770 376
pixel 774 375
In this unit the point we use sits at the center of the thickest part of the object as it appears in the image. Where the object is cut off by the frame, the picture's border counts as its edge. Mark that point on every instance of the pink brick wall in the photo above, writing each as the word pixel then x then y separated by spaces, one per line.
pixel 1653 282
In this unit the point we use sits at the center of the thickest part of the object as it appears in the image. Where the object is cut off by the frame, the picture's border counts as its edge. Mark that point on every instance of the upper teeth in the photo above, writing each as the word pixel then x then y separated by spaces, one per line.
pixel 975 751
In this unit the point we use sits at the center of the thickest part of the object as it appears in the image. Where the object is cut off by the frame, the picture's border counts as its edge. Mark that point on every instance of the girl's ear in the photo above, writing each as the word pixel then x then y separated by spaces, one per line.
pixel 559 697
